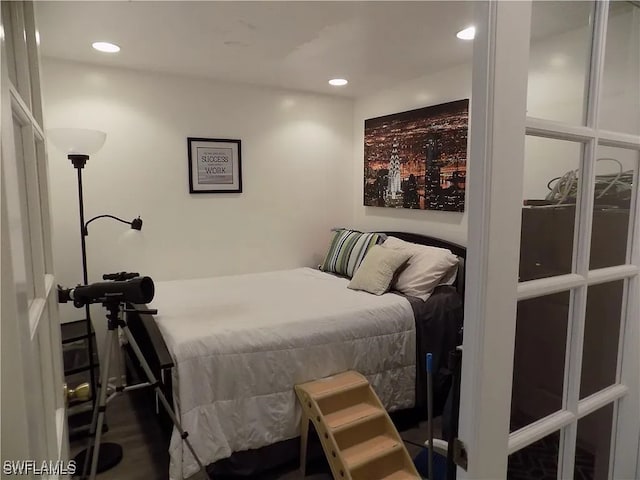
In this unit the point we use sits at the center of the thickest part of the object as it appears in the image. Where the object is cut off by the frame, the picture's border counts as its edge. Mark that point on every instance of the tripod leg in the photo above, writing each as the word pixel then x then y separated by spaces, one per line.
pixel 153 381
pixel 94 421
pixel 92 433
pixel 101 406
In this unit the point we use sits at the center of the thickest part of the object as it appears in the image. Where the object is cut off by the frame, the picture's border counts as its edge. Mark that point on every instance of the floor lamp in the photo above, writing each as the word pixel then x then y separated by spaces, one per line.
pixel 78 144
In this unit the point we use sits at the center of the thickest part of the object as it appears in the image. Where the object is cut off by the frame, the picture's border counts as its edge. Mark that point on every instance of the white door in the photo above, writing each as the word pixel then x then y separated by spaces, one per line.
pixel 33 413
pixel 550 382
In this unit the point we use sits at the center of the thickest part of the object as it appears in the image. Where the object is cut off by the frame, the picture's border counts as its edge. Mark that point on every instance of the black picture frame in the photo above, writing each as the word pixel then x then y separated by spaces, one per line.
pixel 215 165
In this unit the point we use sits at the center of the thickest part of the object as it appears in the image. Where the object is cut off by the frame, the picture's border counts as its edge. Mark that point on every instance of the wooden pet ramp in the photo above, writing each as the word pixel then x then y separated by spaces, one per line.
pixel 357 436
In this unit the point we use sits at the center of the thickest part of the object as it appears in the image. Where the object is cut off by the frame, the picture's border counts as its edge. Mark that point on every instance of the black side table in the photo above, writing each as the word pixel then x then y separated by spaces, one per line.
pixel 77 366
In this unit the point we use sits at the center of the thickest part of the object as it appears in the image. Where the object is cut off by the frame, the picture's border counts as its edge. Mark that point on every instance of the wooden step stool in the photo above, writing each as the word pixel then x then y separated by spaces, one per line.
pixel 357 436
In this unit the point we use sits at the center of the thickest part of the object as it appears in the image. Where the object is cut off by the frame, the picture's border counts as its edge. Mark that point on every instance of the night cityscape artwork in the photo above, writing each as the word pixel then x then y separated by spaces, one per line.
pixel 417 159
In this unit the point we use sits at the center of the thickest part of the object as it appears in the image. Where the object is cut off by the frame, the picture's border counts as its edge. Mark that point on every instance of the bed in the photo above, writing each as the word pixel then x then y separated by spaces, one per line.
pixel 229 350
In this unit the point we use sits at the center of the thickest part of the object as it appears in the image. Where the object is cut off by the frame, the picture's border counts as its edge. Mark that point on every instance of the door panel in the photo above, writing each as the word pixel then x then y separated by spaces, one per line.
pixel 32 356
pixel 572 375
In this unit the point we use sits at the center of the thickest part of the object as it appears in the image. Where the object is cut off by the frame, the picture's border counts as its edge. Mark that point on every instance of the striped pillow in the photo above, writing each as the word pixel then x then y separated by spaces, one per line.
pixel 347 249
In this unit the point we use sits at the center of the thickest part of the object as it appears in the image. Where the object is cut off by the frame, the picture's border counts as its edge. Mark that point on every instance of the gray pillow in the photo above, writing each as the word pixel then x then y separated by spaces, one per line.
pixel 377 270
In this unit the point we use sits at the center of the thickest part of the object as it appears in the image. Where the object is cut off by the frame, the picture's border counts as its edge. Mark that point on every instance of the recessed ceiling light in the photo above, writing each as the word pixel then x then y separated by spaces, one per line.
pixel 338 82
pixel 106 47
pixel 467 34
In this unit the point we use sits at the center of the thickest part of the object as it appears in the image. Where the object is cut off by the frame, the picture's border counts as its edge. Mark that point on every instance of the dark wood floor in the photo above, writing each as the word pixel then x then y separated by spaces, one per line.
pixel 135 429
pixel 145 457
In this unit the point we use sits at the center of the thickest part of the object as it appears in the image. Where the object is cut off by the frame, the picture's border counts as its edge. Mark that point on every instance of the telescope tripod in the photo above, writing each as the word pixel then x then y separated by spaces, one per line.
pixel 115 322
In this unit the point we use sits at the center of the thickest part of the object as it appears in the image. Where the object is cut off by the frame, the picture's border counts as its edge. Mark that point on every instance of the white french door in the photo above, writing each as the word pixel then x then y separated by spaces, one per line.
pixel 550 381
pixel 33 411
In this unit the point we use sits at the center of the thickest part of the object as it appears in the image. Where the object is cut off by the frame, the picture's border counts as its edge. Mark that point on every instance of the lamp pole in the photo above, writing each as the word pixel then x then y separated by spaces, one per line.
pixel 111 453
pixel 79 162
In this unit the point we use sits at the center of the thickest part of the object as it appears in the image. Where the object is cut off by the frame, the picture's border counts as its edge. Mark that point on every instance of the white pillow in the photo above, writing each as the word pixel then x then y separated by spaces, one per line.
pixel 375 273
pixel 427 267
pixel 450 277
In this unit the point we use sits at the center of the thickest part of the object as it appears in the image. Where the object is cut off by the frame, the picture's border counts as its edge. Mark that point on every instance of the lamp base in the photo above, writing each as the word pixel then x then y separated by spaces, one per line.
pixel 78 160
pixel 110 455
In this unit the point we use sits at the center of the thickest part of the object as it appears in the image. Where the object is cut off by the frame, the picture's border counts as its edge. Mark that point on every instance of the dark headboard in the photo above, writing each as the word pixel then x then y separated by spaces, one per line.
pixel 456 249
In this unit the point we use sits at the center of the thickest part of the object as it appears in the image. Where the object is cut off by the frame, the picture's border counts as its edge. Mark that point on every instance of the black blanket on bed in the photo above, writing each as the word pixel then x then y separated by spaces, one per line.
pixel 438 323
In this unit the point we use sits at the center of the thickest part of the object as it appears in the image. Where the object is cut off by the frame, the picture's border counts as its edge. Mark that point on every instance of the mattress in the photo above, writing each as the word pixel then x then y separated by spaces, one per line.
pixel 241 343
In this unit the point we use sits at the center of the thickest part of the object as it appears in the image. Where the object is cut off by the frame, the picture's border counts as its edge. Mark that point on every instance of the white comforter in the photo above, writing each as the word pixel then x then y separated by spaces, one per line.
pixel 241 343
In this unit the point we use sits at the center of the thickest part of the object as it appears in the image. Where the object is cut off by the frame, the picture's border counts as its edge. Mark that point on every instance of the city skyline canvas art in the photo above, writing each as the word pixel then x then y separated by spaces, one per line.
pixel 417 159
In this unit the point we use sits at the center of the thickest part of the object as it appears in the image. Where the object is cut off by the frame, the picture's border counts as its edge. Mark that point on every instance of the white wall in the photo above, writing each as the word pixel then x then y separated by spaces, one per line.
pixel 302 161
pixel 556 87
pixel 296 162
pixel 448 85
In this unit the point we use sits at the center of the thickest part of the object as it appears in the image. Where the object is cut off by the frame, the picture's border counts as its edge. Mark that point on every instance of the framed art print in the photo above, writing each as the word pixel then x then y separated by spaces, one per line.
pixel 215 165
pixel 417 159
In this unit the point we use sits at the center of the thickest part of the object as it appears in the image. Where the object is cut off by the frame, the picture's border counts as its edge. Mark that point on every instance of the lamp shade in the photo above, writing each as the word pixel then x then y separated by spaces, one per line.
pixel 77 140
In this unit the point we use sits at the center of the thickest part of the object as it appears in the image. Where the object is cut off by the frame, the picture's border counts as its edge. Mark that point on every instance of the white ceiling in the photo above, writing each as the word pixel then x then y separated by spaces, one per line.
pixel 297 45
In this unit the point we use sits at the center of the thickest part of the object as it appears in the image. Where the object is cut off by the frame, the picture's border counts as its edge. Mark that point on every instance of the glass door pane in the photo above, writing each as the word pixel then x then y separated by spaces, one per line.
pixel 620 102
pixel 551 186
pixel 539 358
pixel 538 461
pixel 18 45
pixel 613 197
pixel 7 26
pixel 601 337
pixel 593 445
pixel 559 60
pixel 24 208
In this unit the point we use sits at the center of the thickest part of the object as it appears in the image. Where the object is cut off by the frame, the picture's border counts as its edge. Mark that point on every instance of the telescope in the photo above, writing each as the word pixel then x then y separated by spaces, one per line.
pixel 134 290
pixel 112 294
